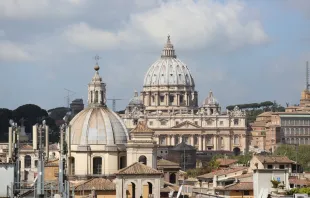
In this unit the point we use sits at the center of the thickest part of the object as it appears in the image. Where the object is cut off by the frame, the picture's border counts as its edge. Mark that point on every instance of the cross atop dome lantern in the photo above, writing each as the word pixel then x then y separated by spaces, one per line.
pixel 168 50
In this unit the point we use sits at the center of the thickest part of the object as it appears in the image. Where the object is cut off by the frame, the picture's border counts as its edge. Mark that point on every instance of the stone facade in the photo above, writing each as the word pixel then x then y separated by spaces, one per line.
pixel 169 103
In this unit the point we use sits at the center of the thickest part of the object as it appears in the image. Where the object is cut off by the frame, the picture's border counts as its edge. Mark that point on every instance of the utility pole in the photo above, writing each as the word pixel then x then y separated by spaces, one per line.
pixel 16 159
pixel 40 180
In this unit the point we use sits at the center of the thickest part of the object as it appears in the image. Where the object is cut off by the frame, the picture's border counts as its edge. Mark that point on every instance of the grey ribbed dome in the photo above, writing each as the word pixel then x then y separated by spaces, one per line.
pixel 168 70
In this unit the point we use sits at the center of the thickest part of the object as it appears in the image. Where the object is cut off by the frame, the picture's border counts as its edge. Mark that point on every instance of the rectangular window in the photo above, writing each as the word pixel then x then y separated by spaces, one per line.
pixel 171 99
pixel 151 123
pixel 269 167
pixel 181 99
pixel 196 122
pixel 246 192
pixel 281 166
pixel 221 123
pixel 236 121
pixel 162 98
pixel 176 122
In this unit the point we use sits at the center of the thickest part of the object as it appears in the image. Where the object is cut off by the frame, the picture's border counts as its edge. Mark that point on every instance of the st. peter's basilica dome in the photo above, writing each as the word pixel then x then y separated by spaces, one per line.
pixel 168 70
pixel 97 124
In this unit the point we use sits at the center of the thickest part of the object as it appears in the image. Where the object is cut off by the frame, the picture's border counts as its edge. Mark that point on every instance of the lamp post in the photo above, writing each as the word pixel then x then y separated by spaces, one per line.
pixel 16 132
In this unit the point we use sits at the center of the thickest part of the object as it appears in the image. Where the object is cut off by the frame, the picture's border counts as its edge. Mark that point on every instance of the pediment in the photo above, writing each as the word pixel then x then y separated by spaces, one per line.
pixel 186 125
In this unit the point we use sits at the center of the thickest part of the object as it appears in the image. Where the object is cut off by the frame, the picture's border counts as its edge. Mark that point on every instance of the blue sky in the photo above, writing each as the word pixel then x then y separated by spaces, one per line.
pixel 245 51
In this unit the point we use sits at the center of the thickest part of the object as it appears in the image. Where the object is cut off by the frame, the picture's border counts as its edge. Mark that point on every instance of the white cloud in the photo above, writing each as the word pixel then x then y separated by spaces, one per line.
pixel 84 36
pixel 13 52
pixel 192 25
pixel 22 9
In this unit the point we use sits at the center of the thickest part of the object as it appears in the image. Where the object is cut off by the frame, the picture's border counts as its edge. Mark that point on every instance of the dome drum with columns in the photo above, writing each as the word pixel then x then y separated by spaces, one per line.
pixel 170 106
pixel 169 84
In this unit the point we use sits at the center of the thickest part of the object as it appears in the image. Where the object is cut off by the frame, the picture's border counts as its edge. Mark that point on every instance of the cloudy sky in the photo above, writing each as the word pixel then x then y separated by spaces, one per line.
pixel 245 51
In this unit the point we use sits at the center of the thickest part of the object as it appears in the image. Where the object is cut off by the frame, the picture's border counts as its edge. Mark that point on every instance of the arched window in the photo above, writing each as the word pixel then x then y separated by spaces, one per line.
pixel 162 140
pixel 236 139
pixel 96 96
pixel 91 96
pixel 97 165
pixel 27 161
pixel 26 174
pixel 143 159
pixel 101 97
pixel 172 178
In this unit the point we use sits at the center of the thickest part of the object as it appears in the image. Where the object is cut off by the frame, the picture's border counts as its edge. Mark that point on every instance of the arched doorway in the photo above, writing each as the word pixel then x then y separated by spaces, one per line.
pixel 131 192
pixel 97 165
pixel 150 186
pixel 172 178
pixel 236 151
pixel 143 159
pixel 122 162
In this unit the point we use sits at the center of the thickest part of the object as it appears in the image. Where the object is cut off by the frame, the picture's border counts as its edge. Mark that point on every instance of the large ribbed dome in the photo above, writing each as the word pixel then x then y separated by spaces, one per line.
pixel 168 70
pixel 97 125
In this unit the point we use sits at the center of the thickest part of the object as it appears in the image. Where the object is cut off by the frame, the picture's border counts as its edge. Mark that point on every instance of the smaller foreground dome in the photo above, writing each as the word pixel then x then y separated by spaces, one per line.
pixel 97 125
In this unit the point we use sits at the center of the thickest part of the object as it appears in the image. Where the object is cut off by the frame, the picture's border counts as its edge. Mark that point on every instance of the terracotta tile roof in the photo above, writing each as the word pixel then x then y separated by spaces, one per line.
pixel 53 146
pixel 141 127
pixel 267 113
pixel 169 188
pixel 97 183
pixel 226 162
pixel 222 172
pixel 26 147
pixel 167 163
pixel 52 163
pixel 273 159
pixel 259 123
pixel 138 168
pixel 237 186
pixel 245 177
pixel 301 182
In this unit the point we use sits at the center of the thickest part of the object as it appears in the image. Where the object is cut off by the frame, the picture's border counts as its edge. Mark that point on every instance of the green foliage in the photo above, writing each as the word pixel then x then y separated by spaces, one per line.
pixel 299 191
pixel 212 165
pixel 254 109
pixel 58 113
pixel 275 183
pixel 243 159
pixel 31 114
pixel 301 152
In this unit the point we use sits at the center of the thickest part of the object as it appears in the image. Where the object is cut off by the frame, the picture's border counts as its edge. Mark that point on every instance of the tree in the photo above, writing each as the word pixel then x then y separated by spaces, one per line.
pixel 301 153
pixel 5 116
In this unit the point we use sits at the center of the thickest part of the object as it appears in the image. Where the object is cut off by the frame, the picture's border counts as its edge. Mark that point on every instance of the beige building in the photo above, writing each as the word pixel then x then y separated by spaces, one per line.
pixel 265 134
pixel 271 162
pixel 169 103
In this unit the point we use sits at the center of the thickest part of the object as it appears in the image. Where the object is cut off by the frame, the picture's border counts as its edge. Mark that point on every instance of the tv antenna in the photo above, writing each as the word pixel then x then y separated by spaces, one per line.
pixel 69 94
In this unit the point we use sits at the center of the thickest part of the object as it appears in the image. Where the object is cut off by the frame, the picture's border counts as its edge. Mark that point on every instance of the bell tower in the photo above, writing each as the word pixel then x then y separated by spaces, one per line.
pixel 142 147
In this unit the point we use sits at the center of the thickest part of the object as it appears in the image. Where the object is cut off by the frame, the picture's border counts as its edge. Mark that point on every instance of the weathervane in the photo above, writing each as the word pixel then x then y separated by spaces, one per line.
pixel 97 58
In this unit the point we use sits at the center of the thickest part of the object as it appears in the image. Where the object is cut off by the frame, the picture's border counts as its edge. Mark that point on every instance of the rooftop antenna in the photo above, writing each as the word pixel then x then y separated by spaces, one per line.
pixel 307 76
pixel 69 94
